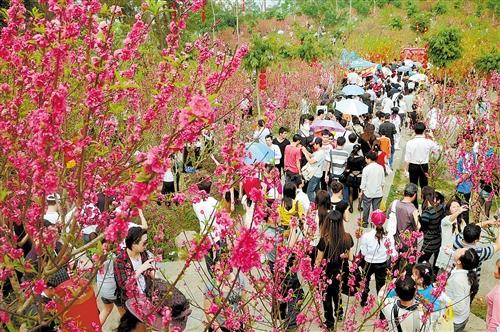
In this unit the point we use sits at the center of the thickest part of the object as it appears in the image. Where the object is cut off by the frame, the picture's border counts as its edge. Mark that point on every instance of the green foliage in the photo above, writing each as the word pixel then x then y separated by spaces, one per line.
pixel 479 9
pixel 396 3
pixel 457 4
pixel 260 55
pixel 445 47
pixel 489 62
pixel 361 6
pixel 494 7
pixel 411 8
pixel 421 22
pixel 309 49
pixel 381 3
pixel 396 23
pixel 440 8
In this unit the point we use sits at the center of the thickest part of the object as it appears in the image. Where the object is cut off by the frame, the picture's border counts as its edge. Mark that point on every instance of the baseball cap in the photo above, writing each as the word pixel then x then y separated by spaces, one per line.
pixel 378 217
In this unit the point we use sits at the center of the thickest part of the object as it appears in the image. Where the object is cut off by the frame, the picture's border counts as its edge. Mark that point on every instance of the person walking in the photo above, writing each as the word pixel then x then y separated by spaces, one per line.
pixel 388 129
pixel 354 169
pixel 417 155
pixel 430 219
pixel 334 246
pixel 372 185
pixel 281 141
pixel 375 246
pixel 316 159
pixel 292 158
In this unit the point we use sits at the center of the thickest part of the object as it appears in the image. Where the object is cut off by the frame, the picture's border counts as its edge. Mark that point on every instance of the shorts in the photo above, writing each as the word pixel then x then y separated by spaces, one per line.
pixel 108 301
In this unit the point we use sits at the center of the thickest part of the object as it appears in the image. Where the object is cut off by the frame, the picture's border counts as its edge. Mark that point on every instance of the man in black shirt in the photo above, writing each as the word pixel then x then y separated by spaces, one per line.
pixel 281 141
pixel 388 129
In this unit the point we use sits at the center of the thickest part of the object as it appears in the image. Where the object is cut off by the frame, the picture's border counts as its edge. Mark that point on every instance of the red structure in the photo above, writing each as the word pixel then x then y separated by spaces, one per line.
pixel 415 54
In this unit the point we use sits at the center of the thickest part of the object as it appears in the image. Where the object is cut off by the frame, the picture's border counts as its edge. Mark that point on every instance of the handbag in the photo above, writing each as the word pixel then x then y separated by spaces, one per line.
pixel 392 223
pixel 308 171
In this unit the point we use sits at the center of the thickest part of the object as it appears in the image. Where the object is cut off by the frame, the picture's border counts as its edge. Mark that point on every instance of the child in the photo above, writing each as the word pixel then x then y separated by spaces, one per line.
pixel 461 283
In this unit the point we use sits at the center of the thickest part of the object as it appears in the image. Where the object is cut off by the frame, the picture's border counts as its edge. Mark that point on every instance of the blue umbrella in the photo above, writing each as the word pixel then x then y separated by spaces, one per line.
pixel 258 153
pixel 353 90
pixel 403 69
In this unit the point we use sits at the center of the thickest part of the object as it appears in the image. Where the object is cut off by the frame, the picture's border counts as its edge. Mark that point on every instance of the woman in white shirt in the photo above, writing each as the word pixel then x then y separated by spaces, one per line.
pixel 305 125
pixel 461 283
pixel 449 228
pixel 261 132
pixel 377 248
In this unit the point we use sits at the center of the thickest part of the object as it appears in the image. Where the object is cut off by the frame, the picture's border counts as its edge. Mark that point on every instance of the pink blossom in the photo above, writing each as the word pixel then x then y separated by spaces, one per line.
pixel 245 254
pixel 39 286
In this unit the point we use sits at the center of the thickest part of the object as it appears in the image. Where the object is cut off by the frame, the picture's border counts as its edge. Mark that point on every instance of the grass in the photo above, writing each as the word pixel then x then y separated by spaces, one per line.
pixel 441 184
pixel 479 307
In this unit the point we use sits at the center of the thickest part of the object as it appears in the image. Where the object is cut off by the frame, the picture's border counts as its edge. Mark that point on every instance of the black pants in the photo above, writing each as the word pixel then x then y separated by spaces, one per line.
pixel 426 257
pixel 332 302
pixel 418 176
pixel 288 175
pixel 380 271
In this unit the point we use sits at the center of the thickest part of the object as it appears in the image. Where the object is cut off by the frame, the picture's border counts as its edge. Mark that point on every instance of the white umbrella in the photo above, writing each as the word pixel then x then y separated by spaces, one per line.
pixel 386 71
pixel 418 77
pixel 408 63
pixel 352 107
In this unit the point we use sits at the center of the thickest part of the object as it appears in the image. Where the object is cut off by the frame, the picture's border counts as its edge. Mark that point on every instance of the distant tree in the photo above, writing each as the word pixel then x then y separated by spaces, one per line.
pixel 260 55
pixel 421 22
pixel 488 62
pixel 309 49
pixel 445 47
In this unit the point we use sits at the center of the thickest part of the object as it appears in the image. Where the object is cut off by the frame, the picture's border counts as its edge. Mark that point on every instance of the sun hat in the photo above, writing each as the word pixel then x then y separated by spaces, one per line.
pixel 378 217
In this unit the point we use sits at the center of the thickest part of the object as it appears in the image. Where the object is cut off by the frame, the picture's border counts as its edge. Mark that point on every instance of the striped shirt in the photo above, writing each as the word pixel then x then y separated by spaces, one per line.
pixel 338 159
pixel 484 253
pixel 431 227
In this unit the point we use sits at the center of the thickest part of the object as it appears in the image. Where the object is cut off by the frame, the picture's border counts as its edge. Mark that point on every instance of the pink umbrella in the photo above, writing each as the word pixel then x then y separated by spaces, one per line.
pixel 327 124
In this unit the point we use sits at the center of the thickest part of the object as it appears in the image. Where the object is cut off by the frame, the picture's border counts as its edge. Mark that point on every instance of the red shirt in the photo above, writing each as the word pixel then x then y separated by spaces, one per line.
pixel 292 157
pixel 381 159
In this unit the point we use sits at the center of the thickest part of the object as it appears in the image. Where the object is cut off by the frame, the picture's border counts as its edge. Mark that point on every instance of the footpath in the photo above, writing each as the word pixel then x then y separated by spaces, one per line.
pixel 193 286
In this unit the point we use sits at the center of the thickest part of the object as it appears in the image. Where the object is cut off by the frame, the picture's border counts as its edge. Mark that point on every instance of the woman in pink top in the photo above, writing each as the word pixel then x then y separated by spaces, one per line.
pixel 493 301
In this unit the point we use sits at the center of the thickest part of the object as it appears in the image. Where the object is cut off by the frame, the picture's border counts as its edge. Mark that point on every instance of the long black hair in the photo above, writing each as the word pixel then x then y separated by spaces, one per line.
pixel 323 204
pixel 289 194
pixel 128 322
pixel 470 261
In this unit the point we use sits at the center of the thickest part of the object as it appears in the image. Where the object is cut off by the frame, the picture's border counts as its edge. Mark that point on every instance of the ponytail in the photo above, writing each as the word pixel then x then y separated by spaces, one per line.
pixel 474 283
pixel 380 232
pixel 470 262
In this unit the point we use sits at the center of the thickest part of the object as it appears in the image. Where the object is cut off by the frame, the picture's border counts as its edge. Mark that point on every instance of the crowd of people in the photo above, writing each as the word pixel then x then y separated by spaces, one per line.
pixel 326 174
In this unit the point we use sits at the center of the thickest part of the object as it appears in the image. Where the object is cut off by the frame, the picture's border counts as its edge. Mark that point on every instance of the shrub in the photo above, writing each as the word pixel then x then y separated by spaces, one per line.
pixel 488 63
pixel 421 22
pixel 362 7
pixel 411 8
pixel 396 23
pixel 445 47
pixel 440 8
pixel 396 3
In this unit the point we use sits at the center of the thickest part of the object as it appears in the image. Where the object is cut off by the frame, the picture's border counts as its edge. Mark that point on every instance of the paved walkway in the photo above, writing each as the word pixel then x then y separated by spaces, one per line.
pixel 193 286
